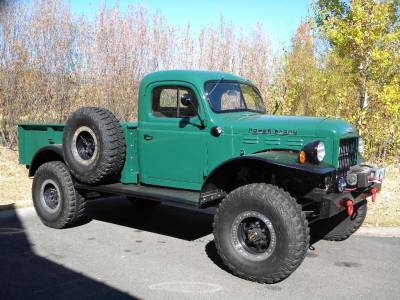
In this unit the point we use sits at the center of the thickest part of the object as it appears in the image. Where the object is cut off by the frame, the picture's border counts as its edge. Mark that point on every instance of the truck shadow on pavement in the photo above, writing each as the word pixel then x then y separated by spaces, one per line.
pixel 26 275
pixel 177 222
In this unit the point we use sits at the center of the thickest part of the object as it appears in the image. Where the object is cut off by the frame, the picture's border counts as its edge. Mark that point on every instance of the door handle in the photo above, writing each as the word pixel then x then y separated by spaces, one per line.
pixel 148 137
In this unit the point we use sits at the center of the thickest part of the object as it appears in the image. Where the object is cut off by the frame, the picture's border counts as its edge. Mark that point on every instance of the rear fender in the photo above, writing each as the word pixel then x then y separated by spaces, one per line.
pixel 45 154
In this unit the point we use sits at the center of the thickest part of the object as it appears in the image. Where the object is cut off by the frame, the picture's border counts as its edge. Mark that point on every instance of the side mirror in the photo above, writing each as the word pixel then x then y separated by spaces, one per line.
pixel 186 100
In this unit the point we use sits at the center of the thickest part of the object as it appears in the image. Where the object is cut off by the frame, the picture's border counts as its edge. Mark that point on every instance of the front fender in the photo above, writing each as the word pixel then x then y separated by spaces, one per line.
pixel 281 159
pixel 289 159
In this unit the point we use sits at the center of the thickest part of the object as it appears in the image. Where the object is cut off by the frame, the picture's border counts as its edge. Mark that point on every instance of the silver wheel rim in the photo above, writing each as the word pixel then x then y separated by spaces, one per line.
pixel 253 236
pixel 84 146
pixel 50 196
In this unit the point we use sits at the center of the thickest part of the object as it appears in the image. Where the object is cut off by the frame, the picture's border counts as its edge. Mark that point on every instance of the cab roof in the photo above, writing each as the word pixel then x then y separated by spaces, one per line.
pixel 195 77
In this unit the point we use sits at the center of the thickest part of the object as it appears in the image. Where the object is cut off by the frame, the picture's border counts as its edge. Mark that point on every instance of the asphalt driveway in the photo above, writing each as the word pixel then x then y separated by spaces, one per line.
pixel 168 253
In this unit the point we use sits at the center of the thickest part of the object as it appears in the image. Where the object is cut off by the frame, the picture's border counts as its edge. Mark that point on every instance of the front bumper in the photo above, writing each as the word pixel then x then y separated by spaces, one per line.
pixel 362 176
pixel 366 181
pixel 334 203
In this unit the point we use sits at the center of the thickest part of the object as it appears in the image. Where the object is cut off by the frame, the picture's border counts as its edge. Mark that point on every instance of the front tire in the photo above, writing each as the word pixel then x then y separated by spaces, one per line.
pixel 341 226
pixel 261 233
pixel 57 203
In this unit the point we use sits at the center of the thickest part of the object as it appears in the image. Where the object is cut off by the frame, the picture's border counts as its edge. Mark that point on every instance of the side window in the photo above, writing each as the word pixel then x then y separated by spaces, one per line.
pixel 167 104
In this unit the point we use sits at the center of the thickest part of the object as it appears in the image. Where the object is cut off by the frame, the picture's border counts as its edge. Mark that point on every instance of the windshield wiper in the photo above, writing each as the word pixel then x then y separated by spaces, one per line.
pixel 214 87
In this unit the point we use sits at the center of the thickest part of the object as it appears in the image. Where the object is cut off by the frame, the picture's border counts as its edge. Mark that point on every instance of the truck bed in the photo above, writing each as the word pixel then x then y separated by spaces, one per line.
pixel 32 137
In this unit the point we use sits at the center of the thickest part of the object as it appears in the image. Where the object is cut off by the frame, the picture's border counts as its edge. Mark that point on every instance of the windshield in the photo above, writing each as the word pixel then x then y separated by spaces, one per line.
pixel 233 96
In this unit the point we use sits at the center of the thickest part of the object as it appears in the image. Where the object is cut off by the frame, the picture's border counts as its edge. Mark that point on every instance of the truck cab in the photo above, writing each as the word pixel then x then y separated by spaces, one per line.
pixel 205 139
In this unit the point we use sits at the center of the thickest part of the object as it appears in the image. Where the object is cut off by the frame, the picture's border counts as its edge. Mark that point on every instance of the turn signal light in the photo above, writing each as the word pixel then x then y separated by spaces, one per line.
pixel 302 157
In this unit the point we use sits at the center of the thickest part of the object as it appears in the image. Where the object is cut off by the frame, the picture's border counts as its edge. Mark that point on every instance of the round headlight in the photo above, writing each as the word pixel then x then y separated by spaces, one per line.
pixel 361 145
pixel 313 152
pixel 320 149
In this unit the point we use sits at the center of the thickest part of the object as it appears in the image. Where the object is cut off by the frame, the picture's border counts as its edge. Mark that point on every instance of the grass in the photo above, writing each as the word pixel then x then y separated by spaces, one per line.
pixel 15 188
pixel 386 210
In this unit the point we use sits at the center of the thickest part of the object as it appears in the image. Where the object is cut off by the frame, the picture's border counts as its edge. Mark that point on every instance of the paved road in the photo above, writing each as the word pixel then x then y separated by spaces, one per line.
pixel 168 253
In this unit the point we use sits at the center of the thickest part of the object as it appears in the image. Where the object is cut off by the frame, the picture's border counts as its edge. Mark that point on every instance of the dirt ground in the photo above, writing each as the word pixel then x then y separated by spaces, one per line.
pixel 15 188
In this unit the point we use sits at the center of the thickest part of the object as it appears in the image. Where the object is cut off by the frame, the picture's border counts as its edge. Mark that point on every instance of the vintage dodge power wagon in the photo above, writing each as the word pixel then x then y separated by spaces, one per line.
pixel 204 139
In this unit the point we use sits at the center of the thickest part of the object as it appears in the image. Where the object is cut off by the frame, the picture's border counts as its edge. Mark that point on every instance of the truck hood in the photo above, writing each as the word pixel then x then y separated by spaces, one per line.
pixel 288 125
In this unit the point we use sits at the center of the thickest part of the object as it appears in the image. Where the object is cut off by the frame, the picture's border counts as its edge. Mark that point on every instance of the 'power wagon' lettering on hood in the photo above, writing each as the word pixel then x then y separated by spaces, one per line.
pixel 273 131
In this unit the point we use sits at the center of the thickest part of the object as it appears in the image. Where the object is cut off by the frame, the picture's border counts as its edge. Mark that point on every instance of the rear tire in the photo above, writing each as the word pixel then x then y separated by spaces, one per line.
pixel 341 226
pixel 261 233
pixel 57 203
pixel 94 145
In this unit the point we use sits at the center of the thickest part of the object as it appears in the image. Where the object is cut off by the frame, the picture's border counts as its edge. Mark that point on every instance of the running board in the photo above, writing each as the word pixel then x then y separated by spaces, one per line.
pixel 186 197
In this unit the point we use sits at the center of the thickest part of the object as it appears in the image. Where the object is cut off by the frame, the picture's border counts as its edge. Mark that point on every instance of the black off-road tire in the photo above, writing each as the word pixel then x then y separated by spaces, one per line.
pixel 143 203
pixel 341 226
pixel 94 145
pixel 288 222
pixel 72 208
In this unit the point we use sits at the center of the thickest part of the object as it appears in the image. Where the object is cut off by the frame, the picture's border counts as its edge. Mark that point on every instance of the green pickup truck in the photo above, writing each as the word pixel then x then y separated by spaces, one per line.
pixel 203 139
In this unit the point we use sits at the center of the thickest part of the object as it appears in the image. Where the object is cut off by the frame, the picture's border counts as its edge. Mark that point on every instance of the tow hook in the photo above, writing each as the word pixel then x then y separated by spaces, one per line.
pixel 373 194
pixel 350 207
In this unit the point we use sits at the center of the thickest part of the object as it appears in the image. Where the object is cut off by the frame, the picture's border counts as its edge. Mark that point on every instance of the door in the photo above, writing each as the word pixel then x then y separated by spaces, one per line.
pixel 172 142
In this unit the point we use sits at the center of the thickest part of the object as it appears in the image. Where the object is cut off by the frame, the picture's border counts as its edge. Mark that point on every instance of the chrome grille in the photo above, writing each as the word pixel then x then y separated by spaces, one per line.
pixel 348 151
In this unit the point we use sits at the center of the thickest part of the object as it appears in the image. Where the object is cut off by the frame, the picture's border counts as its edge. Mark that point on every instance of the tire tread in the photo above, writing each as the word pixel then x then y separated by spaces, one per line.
pixel 113 142
pixel 347 227
pixel 288 206
pixel 77 208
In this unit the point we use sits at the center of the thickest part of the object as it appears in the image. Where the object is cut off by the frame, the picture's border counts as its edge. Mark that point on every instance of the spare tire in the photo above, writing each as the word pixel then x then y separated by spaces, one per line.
pixel 94 145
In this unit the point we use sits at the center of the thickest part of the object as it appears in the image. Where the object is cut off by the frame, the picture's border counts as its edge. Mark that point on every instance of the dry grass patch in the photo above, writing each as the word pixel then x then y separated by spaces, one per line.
pixel 15 186
pixel 386 210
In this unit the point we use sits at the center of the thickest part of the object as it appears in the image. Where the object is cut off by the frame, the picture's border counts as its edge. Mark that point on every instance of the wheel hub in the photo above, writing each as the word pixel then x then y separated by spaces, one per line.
pixel 84 145
pixel 253 235
pixel 50 196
